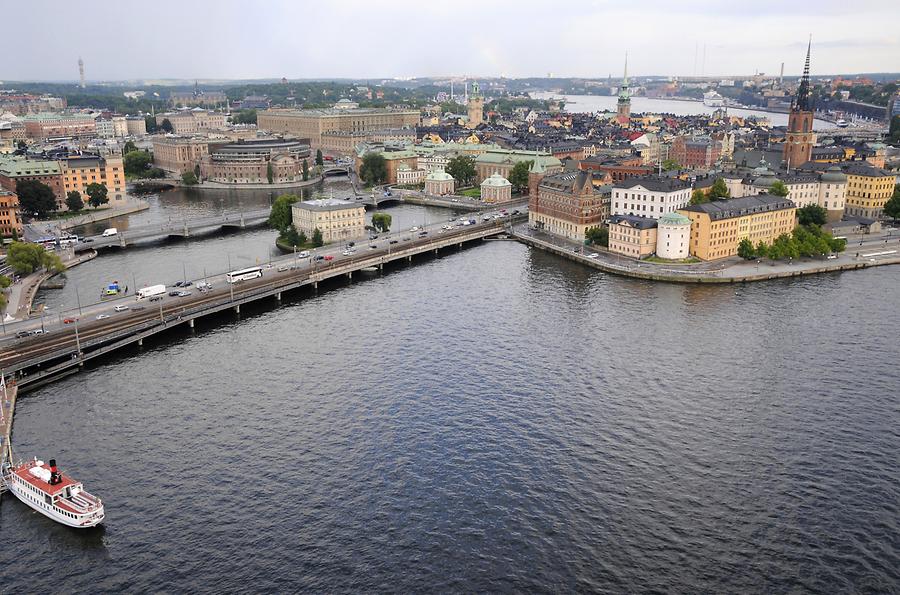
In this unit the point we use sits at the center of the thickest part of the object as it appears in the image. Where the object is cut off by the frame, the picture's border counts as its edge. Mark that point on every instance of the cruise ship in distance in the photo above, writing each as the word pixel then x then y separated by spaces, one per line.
pixel 713 99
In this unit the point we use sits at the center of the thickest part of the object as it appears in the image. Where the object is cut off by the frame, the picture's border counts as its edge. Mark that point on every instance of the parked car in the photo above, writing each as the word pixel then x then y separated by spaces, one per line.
pixel 40 331
pixel 373 247
pixel 304 254
pixel 184 293
pixel 173 294
pixel 178 284
pixel 22 334
pixel 393 242
pixel 187 283
pixel 329 257
pixel 156 298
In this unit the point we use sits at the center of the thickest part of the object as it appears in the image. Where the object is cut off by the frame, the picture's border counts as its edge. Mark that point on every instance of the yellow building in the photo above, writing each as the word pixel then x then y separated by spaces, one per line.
pixel 868 188
pixel 9 214
pixel 338 220
pixel 718 227
pixel 80 172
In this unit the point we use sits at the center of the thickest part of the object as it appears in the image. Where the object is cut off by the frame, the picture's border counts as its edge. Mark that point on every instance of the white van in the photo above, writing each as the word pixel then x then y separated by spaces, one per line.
pixel 110 232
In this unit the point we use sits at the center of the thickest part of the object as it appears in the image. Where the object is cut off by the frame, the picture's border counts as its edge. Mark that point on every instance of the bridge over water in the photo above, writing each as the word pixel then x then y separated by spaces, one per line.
pixel 65 349
pixel 185 228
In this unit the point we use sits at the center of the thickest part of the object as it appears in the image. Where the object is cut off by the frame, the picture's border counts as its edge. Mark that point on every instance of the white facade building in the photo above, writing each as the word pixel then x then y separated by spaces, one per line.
pixel 650 197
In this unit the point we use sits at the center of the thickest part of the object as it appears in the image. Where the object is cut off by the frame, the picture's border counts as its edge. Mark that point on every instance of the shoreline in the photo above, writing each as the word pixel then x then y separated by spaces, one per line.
pixel 646 272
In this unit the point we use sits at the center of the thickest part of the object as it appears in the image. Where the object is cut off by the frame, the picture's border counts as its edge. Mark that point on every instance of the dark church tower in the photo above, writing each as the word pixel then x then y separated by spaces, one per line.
pixel 800 138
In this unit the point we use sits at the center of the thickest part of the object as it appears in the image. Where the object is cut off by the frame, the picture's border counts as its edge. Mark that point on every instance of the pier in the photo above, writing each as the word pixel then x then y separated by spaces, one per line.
pixel 8 394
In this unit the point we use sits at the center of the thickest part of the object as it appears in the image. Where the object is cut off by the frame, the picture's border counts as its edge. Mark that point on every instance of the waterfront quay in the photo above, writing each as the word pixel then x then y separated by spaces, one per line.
pixel 8 394
pixel 65 348
pixel 734 270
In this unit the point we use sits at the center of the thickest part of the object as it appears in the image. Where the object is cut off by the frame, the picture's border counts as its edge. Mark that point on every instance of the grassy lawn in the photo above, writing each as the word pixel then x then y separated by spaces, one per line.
pixel 471 192
pixel 658 260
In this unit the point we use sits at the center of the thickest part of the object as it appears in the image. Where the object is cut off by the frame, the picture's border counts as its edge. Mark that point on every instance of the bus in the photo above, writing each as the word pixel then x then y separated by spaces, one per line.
pixel 67 240
pixel 244 274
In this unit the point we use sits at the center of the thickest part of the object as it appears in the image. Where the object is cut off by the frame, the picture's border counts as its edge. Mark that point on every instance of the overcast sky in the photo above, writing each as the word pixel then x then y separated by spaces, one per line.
pixel 404 38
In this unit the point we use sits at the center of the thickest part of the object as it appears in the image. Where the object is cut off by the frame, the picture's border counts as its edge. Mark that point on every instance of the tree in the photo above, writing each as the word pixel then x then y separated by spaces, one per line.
pixel 779 189
pixel 73 201
pixel 155 172
pixel 150 124
pixel 381 222
pixel 762 250
pixel 166 126
pixel 97 194
pixel 518 177
pixel 812 214
pixel 317 238
pixel 894 132
pixel 270 175
pixel 291 237
pixel 244 116
pixel 462 168
pixel 136 162
pixel 281 216
pixel 670 164
pixel 373 169
pixel 892 206
pixel 319 160
pixel 698 197
pixel 719 190
pixel 745 249
pixel 197 171
pixel 189 178
pixel 305 170
pixel 25 258
pixel 597 235
pixel 35 197
pixel 129 147
pixel 302 240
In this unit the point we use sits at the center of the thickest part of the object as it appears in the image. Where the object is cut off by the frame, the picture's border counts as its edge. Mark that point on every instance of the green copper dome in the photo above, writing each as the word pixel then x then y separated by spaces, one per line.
pixel 674 219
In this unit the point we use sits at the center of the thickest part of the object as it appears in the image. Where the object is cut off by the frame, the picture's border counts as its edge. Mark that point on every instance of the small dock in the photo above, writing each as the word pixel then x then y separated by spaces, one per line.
pixel 7 408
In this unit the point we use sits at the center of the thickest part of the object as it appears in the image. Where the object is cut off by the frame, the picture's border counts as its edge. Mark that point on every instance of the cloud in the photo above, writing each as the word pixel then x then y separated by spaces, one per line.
pixel 372 40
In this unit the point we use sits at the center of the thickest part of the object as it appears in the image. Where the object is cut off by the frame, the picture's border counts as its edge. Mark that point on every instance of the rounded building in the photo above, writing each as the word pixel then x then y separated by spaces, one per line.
pixel 673 236
pixel 496 188
pixel 439 183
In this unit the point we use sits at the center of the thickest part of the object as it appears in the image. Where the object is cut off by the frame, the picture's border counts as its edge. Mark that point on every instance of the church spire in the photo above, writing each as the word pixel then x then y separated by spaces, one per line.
pixel 623 92
pixel 802 102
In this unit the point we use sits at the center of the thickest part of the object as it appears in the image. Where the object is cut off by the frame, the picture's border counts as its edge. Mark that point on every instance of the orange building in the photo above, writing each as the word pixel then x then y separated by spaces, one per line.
pixel 9 214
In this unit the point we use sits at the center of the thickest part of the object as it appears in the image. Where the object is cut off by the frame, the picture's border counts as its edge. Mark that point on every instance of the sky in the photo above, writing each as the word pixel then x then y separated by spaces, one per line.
pixel 372 39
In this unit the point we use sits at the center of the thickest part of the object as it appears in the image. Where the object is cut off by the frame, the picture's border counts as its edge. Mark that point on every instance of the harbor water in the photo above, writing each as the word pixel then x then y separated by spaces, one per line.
pixel 492 419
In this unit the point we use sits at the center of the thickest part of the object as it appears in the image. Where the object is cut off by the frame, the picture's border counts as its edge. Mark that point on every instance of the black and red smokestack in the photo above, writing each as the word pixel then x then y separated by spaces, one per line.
pixel 54 474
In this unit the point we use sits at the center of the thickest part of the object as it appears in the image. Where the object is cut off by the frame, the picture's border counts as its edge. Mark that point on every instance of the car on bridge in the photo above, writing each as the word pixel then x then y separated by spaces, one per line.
pixel 121 308
pixel 69 320
pixel 102 316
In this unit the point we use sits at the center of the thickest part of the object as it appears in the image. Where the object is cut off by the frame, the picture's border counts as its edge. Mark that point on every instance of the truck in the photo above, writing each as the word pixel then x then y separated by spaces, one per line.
pixel 109 232
pixel 151 291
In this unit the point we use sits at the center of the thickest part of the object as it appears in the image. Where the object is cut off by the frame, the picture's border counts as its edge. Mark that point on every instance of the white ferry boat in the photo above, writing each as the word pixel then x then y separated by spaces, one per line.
pixel 713 99
pixel 56 495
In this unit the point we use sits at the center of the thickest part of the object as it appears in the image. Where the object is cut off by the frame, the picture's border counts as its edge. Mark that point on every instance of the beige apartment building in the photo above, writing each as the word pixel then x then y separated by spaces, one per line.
pixel 45 126
pixel 338 220
pixel 80 172
pixel 136 125
pixel 193 121
pixel 178 154
pixel 314 123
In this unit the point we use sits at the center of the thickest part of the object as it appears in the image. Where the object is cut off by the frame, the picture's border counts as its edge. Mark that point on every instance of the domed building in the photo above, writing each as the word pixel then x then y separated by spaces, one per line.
pixel 673 236
pixel 496 188
pixel 439 183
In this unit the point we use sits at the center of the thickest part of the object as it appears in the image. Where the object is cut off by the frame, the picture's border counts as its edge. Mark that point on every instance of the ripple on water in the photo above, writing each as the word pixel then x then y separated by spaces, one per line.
pixel 528 425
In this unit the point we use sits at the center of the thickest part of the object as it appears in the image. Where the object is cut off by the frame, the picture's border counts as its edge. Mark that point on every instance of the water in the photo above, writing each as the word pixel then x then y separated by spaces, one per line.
pixel 639 105
pixel 495 419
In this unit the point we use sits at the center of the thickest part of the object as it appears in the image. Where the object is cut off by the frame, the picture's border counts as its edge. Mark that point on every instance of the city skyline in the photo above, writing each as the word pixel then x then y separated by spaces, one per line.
pixel 460 39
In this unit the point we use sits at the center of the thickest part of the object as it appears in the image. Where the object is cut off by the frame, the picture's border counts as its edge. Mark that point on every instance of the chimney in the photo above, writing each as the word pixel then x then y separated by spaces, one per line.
pixel 54 474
